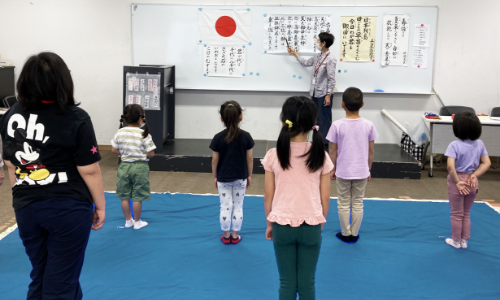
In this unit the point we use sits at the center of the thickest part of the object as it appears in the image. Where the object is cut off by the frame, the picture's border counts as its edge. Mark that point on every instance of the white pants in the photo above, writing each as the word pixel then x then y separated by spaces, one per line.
pixel 350 205
pixel 231 202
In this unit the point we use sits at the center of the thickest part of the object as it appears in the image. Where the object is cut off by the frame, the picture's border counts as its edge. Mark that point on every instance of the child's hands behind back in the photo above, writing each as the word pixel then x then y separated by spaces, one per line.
pixel 463 188
pixel 472 182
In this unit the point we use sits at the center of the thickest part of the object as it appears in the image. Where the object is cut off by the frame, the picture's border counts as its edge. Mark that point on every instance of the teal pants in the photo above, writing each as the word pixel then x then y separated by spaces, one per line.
pixel 297 252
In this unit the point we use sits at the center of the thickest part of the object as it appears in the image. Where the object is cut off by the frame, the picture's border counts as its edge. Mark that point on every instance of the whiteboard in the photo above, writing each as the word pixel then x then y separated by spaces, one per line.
pixel 165 34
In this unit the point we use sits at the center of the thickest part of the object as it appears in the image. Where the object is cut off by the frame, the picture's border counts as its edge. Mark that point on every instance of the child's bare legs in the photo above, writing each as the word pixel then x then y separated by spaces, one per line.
pixel 235 234
pixel 137 206
pixel 126 210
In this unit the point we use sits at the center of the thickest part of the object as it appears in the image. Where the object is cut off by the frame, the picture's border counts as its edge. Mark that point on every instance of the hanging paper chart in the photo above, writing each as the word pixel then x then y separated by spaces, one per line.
pixel 421 43
pixel 143 89
pixel 301 32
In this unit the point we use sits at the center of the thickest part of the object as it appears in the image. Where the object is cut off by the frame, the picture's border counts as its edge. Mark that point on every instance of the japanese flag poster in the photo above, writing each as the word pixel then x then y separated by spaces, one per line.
pixel 225 27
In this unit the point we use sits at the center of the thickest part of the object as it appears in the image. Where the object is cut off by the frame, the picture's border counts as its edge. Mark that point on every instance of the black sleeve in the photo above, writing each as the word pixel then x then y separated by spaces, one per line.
pixel 250 142
pixel 3 138
pixel 85 151
pixel 214 145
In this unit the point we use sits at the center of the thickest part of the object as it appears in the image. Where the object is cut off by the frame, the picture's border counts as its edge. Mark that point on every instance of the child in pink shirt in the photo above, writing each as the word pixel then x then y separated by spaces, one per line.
pixel 297 197
pixel 351 150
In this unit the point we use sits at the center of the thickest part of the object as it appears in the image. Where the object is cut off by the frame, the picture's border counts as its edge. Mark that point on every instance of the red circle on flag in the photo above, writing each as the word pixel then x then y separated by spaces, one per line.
pixel 225 26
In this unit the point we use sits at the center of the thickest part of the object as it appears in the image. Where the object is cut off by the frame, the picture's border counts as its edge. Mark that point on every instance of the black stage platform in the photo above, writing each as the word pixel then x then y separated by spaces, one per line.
pixel 193 155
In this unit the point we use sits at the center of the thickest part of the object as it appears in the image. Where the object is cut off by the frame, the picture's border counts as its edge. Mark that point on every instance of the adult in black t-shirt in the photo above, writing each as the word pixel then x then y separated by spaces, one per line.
pixel 52 157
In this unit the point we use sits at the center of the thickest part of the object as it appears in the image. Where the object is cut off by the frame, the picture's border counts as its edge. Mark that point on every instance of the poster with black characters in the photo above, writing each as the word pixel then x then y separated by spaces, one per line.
pixel 297 31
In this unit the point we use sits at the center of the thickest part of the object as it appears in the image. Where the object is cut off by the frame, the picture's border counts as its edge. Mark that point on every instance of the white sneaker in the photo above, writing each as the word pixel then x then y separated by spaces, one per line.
pixel 129 223
pixel 463 243
pixel 448 241
pixel 140 224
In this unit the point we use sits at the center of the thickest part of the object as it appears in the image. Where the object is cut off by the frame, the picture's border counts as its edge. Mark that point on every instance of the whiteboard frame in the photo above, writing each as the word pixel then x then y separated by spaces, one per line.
pixel 432 92
pixel 284 5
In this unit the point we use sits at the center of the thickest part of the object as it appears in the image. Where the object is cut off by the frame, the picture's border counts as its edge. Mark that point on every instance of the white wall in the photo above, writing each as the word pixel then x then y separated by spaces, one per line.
pixel 94 38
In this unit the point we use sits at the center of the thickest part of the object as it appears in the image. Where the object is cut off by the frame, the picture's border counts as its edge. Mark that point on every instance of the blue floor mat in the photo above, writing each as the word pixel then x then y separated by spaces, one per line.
pixel 400 255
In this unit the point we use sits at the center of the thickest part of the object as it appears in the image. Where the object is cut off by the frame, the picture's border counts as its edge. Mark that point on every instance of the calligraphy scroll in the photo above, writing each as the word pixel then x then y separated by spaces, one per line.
pixel 227 61
pixel 395 37
pixel 357 38
pixel 301 32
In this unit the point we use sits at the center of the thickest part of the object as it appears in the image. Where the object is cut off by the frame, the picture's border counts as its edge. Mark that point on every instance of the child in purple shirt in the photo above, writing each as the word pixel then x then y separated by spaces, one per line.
pixel 464 167
pixel 352 142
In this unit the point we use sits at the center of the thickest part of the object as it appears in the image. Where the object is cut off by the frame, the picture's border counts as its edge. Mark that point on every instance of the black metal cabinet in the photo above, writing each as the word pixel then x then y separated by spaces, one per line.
pixel 161 122
pixel 7 87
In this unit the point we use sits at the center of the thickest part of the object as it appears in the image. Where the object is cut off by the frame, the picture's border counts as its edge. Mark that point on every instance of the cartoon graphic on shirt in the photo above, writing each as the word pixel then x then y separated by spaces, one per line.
pixel 31 170
pixel 29 158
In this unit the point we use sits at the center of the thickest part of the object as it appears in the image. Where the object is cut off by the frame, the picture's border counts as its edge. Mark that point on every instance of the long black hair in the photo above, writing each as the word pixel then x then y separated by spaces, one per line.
pixel 230 113
pixel 45 76
pixel 299 114
pixel 131 115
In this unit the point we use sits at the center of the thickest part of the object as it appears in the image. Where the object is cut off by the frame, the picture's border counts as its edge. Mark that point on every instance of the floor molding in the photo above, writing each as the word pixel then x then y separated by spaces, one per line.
pixel 9 227
pixel 105 147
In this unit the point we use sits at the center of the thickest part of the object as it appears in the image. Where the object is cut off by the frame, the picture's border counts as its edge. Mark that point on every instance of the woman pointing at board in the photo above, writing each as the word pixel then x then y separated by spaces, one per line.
pixel 322 81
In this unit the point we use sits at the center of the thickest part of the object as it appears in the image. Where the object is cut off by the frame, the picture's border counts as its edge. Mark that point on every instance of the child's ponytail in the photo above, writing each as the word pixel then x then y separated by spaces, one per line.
pixel 121 122
pixel 124 118
pixel 283 145
pixel 230 113
pixel 316 157
pixel 145 127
